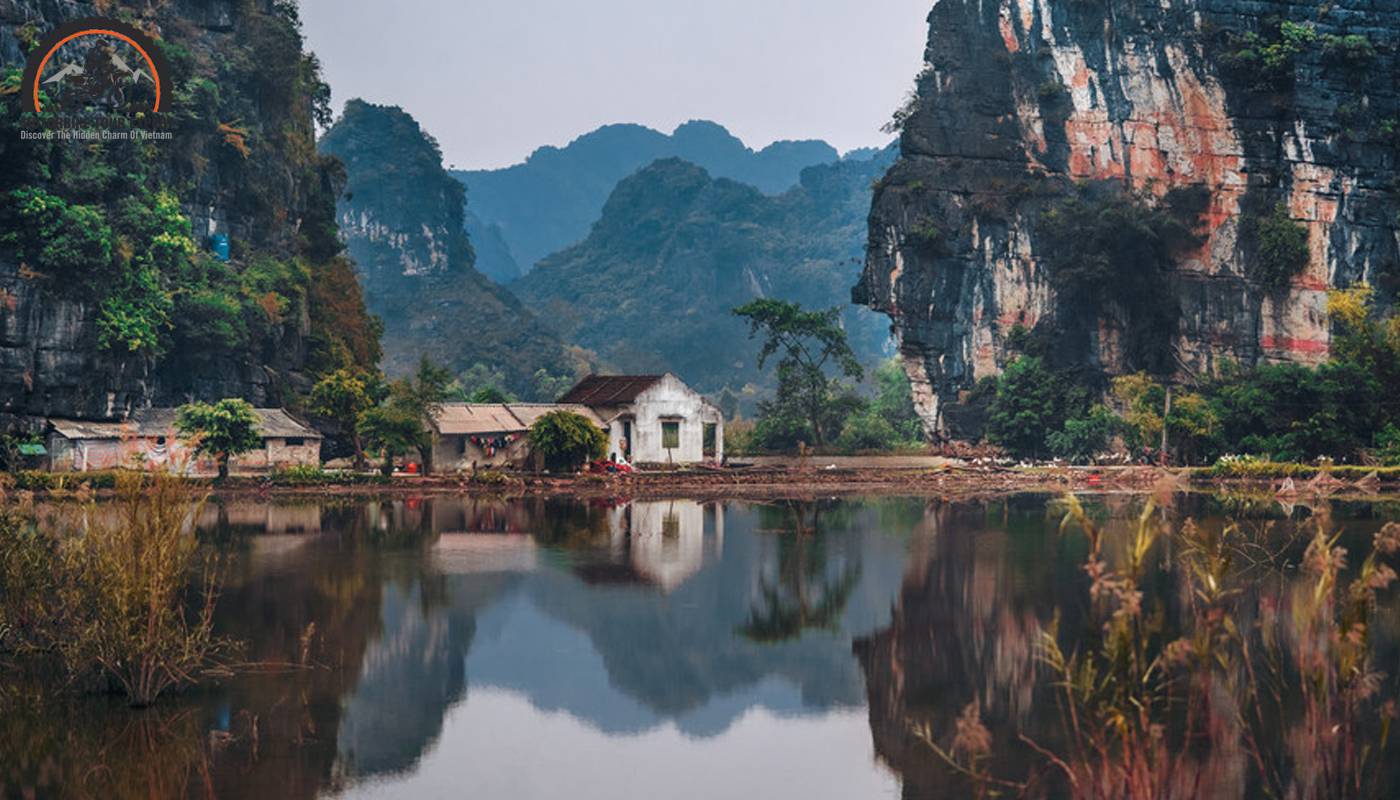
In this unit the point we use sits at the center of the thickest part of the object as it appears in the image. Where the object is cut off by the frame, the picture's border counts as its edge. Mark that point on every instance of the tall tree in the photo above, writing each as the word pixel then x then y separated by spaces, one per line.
pixel 223 429
pixel 390 429
pixel 341 397
pixel 812 345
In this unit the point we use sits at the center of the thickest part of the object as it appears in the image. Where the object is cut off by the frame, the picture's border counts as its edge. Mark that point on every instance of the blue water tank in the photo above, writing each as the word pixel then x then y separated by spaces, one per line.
pixel 219 244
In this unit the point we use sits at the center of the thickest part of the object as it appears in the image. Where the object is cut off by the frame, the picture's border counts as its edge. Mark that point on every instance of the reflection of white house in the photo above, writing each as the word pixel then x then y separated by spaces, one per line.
pixel 473 553
pixel 653 419
pixel 665 540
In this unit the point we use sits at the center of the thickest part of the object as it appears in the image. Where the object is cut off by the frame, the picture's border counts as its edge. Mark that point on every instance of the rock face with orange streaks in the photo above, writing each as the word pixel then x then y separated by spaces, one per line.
pixel 1022 100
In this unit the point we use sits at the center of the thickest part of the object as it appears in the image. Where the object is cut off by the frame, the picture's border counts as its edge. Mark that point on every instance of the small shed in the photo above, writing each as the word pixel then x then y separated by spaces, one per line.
pixel 470 435
pixel 149 438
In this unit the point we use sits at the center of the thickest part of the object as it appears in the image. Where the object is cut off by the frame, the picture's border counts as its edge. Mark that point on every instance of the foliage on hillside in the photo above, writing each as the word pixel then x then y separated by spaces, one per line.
pixel 1337 410
pixel 109 223
pixel 530 210
pixel 403 221
pixel 652 286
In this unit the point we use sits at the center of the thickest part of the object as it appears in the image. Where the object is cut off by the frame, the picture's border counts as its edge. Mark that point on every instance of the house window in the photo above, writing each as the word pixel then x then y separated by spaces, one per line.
pixel 295 441
pixel 709 444
pixel 670 434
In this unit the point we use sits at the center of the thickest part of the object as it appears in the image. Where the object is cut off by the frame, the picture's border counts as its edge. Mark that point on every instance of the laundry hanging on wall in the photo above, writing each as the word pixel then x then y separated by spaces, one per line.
pixel 491 444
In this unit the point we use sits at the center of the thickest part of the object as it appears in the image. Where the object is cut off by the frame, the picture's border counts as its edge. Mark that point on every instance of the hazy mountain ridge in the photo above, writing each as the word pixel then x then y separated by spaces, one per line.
pixel 549 201
pixel 676 249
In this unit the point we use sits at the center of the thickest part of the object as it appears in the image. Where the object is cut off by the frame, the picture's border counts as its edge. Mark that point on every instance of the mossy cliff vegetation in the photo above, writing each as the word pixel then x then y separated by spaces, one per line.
pixel 114 296
pixel 1144 187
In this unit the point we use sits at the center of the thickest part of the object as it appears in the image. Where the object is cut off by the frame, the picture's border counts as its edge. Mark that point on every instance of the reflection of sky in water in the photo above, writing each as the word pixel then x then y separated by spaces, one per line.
pixel 497 744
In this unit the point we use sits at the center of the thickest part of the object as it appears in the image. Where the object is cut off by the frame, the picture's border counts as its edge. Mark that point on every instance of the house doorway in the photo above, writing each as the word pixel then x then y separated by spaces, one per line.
pixel 625 446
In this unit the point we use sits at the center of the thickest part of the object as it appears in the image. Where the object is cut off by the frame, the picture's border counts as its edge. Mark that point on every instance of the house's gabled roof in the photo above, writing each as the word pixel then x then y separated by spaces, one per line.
pixel 609 390
pixel 529 412
pixel 477 418
pixel 273 423
pixel 474 418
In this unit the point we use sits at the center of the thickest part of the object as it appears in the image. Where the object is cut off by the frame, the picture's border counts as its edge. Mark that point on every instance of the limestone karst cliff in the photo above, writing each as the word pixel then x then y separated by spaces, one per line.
pixel 1161 186
pixel 401 217
pixel 111 296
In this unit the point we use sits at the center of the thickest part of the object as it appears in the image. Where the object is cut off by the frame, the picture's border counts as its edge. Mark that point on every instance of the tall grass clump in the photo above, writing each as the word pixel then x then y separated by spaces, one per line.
pixel 110 596
pixel 1246 675
pixel 1222 660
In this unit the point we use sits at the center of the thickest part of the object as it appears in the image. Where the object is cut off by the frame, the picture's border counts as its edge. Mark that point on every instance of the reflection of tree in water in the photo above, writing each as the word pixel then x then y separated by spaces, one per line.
pixel 284 729
pixel 86 748
pixel 803 595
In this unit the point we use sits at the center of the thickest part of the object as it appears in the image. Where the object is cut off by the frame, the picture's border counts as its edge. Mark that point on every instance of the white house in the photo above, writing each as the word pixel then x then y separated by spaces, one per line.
pixel 652 419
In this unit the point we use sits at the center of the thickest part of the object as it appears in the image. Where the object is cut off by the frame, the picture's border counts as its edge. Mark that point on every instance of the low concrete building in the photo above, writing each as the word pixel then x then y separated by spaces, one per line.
pixel 472 435
pixel 149 438
pixel 653 419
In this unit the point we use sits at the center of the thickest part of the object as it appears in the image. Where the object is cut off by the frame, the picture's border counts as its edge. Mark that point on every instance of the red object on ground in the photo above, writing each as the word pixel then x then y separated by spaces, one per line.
pixel 411 468
pixel 603 465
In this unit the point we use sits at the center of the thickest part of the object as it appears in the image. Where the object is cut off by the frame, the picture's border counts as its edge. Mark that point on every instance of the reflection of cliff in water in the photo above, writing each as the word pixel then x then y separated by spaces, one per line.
pixel 660 643
pixel 628 617
pixel 964 629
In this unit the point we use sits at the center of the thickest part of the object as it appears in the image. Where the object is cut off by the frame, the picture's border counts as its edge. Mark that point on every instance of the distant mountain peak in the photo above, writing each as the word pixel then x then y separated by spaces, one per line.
pixel 552 199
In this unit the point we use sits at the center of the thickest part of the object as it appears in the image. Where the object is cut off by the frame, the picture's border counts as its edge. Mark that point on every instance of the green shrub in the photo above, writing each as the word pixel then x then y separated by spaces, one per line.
pixel 926 238
pixel 567 440
pixel 1051 91
pixel 490 477
pixel 1023 411
pixel 1107 251
pixel 1282 248
pixel 1353 51
pixel 70 243
pixel 1265 60
pixel 40 481
pixel 1083 438
pixel 867 431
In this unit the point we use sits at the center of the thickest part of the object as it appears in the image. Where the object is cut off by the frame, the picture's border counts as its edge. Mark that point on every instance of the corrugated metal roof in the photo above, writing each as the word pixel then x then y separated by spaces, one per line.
pixel 273 423
pixel 473 418
pixel 607 390
pixel 453 419
pixel 529 412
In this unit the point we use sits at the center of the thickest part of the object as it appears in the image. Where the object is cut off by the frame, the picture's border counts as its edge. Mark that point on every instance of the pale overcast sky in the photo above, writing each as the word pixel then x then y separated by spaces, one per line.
pixel 494 79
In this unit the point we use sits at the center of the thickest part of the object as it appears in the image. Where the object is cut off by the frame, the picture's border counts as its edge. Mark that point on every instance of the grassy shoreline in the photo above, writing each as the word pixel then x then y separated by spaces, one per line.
pixel 779 480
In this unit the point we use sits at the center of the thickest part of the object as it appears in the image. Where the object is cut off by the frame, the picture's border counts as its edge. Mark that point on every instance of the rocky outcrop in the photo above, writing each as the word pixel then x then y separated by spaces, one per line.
pixel 402 220
pixel 256 179
pixel 1261 104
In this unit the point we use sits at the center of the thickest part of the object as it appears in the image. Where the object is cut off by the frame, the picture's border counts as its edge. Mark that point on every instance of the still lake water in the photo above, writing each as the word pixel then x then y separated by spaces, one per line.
pixel 458 647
